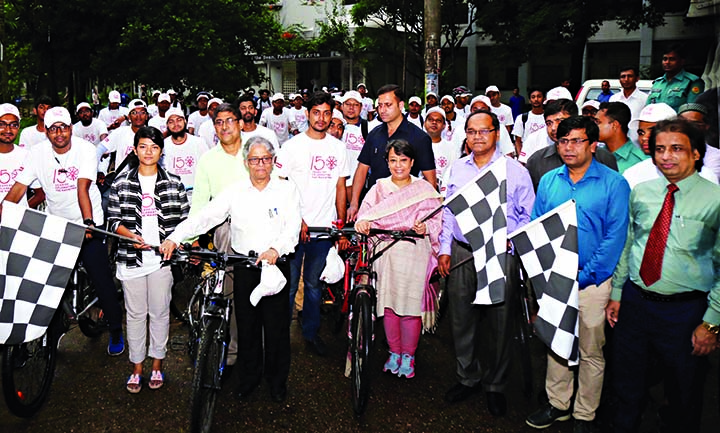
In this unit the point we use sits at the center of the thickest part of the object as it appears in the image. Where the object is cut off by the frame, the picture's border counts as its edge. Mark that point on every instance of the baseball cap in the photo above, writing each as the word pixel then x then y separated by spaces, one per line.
pixel 428 94
pixel 164 97
pixel 203 94
pixel 415 99
pixel 436 110
pixel 361 85
pixel 174 111
pixel 9 109
pixel 482 98
pixel 137 103
pixel 337 114
pixel 492 89
pixel 82 105
pixel 352 94
pixel 653 113
pixel 114 96
pixel 215 101
pixel 57 114
pixel 156 92
pixel 591 103
pixel 277 97
pixel 449 98
pixel 693 106
pixel 558 93
pixel 171 92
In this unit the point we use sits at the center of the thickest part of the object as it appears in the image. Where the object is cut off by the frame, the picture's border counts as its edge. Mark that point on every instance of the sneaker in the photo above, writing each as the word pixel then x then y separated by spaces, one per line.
pixel 116 346
pixel 393 363
pixel 546 416
pixel 407 367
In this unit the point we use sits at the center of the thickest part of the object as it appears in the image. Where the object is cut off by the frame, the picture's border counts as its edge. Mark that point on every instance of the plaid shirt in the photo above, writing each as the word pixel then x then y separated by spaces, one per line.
pixel 125 208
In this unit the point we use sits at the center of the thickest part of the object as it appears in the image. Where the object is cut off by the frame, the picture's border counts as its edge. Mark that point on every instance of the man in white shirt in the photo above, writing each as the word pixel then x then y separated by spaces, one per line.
pixel 337 125
pixel 698 114
pixel 277 119
pixel 367 102
pixel 34 134
pixel 431 100
pixel 413 114
pixel 153 108
pixel 12 158
pixel 200 116
pixel 250 128
pixel 529 122
pixel 207 129
pixel 298 112
pixel 630 95
pixel 356 129
pixel 92 130
pixel 453 121
pixel 121 142
pixel 317 164
pixel 561 110
pixel 182 150
pixel 66 168
pixel 502 111
pixel 114 115
pixel 159 119
pixel 445 152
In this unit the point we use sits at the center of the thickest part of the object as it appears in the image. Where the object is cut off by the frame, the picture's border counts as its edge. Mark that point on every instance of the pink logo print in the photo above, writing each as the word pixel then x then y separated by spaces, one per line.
pixel 147 200
pixel 189 161
pixel 331 162
pixel 442 161
pixel 73 173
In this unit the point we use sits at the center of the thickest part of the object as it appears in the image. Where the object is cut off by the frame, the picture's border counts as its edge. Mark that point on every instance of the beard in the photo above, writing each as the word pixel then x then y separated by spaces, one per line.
pixel 181 133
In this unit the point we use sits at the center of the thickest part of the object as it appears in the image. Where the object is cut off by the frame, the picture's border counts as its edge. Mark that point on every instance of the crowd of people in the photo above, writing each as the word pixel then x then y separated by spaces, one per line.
pixel 642 169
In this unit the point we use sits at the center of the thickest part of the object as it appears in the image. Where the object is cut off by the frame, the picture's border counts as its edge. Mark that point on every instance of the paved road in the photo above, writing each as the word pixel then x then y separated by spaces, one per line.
pixel 88 395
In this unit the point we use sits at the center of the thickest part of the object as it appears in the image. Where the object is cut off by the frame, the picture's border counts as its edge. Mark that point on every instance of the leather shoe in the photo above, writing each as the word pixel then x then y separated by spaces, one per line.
pixel 317 345
pixel 496 403
pixel 279 395
pixel 459 392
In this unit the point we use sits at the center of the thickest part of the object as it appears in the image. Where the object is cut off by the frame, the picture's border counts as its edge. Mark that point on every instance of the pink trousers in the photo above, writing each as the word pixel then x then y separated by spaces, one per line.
pixel 402 332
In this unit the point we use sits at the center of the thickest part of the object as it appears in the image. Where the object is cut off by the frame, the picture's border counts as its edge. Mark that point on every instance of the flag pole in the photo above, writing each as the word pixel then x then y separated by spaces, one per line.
pixel 105 232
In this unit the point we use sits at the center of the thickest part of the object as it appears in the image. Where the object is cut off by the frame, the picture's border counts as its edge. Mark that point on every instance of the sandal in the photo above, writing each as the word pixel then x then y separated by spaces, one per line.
pixel 157 379
pixel 134 383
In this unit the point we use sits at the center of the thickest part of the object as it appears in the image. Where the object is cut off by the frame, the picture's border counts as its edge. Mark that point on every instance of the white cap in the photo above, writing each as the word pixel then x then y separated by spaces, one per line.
pixel 137 103
pixel 558 93
pixel 464 95
pixel 653 113
pixel 591 103
pixel 164 97
pixel 174 111
pixel 492 89
pixel 482 98
pixel 352 94
pixel 82 105
pixel 9 109
pixel 57 114
pixel 202 95
pixel 156 92
pixel 415 99
pixel 361 85
pixel 430 94
pixel 171 92
pixel 337 114
pixel 215 101
pixel 436 110
pixel 277 97
pixel 114 96
pixel 449 98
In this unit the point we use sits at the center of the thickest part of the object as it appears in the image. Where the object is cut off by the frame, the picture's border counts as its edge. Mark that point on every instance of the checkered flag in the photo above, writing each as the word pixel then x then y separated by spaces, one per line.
pixel 480 210
pixel 37 255
pixel 548 249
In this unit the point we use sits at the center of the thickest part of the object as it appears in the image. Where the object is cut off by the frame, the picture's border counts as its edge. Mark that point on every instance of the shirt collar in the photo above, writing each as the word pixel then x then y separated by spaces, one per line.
pixel 684 185
pixel 592 171
pixel 470 161
pixel 625 150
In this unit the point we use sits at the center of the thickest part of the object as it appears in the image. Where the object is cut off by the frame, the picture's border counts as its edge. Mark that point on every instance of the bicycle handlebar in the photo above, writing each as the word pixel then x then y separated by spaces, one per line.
pixel 184 254
pixel 335 233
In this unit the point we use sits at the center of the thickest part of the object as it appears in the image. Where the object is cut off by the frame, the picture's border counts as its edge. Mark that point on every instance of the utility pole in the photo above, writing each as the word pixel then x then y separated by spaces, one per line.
pixel 432 45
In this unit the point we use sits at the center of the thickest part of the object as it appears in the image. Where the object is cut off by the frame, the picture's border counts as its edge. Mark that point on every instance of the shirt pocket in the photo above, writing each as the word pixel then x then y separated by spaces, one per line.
pixel 690 235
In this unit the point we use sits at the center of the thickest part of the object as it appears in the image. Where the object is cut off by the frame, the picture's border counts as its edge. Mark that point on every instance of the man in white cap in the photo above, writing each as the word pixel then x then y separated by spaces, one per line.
pixel 278 120
pixel 92 130
pixel 590 108
pixel 153 108
pixel 367 102
pixel 453 121
pixel 482 103
pixel 445 151
pixel 66 168
pixel 413 114
pixel 502 111
pixel 34 134
pixel 182 150
pixel 533 120
pixel 207 129
pixel 356 130
pixel 337 125
pixel 159 119
pixel 431 100
pixel 174 102
pixel 298 112
pixel 200 116
pixel 557 93
pixel 114 115
pixel 12 158
pixel 121 142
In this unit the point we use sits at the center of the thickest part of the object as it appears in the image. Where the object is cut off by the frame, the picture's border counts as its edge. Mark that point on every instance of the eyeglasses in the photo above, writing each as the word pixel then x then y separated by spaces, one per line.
pixel 573 141
pixel 138 112
pixel 55 129
pixel 12 125
pixel 483 132
pixel 219 123
pixel 256 161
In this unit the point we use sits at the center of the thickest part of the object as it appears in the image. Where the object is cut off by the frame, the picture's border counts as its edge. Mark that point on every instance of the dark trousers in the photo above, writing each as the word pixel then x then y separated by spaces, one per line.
pixel 263 331
pixel 662 329
pixel 471 324
pixel 94 255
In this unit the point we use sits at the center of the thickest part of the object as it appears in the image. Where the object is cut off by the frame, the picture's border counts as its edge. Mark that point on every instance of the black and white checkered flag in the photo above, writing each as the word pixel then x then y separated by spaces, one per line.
pixel 548 249
pixel 37 255
pixel 480 208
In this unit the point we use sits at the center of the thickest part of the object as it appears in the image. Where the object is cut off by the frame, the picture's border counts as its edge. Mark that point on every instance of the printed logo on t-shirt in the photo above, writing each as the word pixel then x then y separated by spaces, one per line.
pixel 536 127
pixel 148 205
pixel 441 162
pixel 90 137
pixel 354 141
pixel 7 179
pixel 279 127
pixel 183 164
pixel 321 167
pixel 64 179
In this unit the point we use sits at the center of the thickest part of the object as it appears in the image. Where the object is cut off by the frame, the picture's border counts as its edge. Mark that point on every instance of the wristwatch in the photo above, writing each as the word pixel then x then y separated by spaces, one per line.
pixel 88 222
pixel 713 329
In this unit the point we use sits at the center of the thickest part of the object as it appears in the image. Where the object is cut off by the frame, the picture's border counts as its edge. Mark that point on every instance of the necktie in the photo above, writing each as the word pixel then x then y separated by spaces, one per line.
pixel 651 266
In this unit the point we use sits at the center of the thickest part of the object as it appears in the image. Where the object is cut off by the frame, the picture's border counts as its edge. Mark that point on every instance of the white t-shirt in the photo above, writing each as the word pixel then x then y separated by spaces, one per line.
pixel 152 110
pixel 315 166
pixel 354 142
pixel 11 164
pixel 30 136
pixel 367 106
pixel 196 119
pixel 504 114
pixel 182 159
pixel 535 122
pixel 452 127
pixel 446 152
pixel 301 118
pixel 536 141
pixel 263 132
pixel 151 261
pixel 159 123
pixel 121 142
pixel 280 124
pixel 92 132
pixel 206 131
pixel 108 116
pixel 417 121
pixel 58 175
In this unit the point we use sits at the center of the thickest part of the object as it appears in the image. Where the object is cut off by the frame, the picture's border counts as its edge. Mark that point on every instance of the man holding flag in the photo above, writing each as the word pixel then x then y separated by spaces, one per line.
pixel 601 197
pixel 504 203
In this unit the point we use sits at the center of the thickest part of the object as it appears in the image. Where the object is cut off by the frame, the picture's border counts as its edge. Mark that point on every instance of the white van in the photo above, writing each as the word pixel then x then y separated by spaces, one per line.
pixel 592 88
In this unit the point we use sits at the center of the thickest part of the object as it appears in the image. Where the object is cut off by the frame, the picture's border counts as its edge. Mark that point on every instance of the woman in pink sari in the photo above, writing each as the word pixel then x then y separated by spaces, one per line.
pixel 404 298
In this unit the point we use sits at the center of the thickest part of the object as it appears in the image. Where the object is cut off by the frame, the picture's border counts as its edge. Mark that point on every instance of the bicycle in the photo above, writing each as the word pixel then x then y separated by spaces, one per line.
pixel 28 368
pixel 361 298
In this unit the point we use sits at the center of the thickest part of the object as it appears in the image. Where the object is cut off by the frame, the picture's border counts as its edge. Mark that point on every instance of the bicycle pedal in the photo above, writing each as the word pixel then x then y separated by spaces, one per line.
pixel 178 343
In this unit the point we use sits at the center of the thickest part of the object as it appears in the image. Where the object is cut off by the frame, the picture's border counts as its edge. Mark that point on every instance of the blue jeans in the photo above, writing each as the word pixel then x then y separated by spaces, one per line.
pixel 315 253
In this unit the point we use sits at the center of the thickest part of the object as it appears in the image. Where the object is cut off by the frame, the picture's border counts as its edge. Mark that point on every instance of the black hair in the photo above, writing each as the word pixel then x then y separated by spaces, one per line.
pixel 150 132
pixel 682 126
pixel 630 68
pixel 319 98
pixel 246 97
pixel 535 89
pixel 229 108
pixel 397 91
pixel 678 49
pixel 579 122
pixel 493 117
pixel 561 106
pixel 42 100
pixel 618 111
pixel 401 147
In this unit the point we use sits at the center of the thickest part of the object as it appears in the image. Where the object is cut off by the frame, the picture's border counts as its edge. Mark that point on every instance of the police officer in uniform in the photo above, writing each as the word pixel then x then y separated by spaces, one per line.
pixel 677 86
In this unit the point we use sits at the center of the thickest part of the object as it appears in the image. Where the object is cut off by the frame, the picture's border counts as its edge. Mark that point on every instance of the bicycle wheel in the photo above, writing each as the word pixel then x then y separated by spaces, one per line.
pixel 206 376
pixel 524 336
pixel 185 281
pixel 90 316
pixel 27 372
pixel 360 347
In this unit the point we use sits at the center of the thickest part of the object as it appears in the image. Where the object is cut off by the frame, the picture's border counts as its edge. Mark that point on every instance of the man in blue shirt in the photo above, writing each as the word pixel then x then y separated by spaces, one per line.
pixel 601 196
pixel 606 93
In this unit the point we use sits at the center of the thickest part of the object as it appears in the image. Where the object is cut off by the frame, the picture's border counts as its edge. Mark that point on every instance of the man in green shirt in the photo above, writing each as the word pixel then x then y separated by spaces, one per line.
pixel 676 86
pixel 612 120
pixel 668 281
